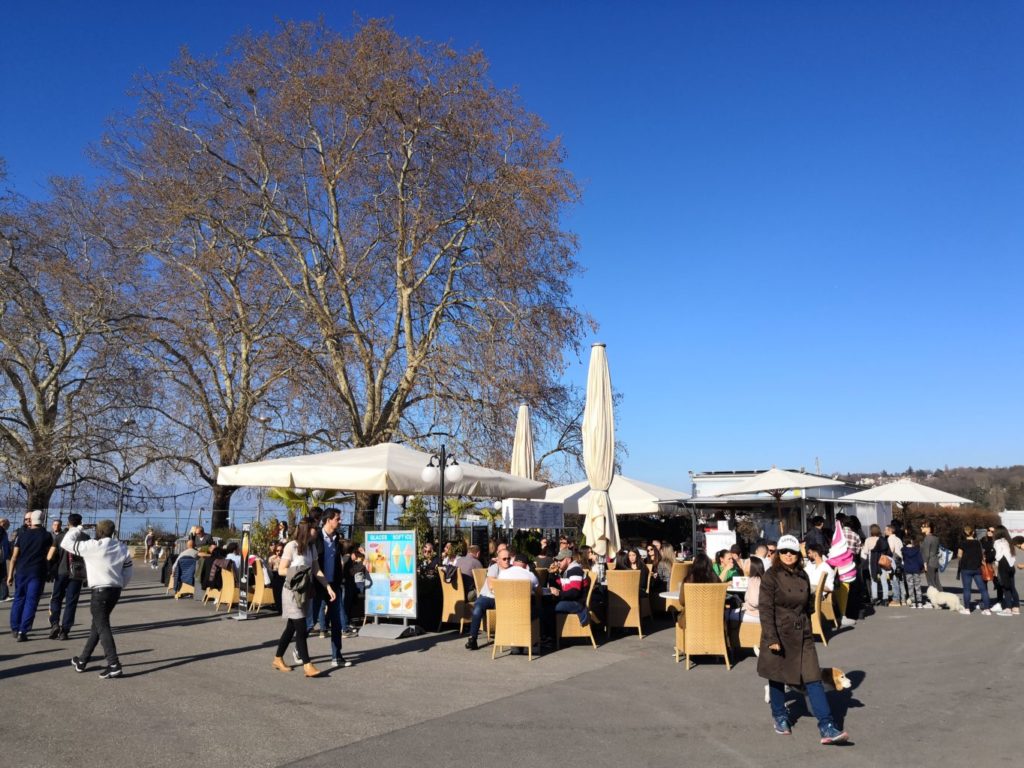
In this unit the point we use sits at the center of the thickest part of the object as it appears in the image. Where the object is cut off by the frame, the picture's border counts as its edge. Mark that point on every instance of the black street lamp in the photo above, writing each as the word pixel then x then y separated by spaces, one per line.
pixel 441 467
pixel 123 477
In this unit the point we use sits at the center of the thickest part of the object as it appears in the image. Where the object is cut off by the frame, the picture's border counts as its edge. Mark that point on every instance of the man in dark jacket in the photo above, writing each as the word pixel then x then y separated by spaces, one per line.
pixel 69 574
pixel 331 560
pixel 816 534
pixel 930 555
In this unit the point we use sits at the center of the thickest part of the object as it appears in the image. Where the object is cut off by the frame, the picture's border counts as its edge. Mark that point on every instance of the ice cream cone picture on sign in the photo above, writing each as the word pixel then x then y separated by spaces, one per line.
pixel 408 558
pixel 396 558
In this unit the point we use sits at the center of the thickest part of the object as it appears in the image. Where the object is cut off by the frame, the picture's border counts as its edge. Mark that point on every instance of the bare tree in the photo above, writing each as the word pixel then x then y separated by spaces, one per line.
pixel 66 374
pixel 409 208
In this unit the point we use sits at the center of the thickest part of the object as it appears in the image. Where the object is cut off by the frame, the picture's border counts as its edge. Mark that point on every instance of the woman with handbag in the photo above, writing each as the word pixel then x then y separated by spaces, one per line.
pixel 879 565
pixel 970 558
pixel 300 566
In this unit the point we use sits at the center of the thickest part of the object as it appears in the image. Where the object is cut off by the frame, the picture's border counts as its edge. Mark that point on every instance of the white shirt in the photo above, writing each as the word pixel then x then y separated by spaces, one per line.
pixel 493 572
pixel 518 572
pixel 814 574
pixel 107 562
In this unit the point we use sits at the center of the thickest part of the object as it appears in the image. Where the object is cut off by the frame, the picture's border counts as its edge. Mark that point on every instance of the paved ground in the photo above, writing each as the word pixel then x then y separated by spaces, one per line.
pixel 930 688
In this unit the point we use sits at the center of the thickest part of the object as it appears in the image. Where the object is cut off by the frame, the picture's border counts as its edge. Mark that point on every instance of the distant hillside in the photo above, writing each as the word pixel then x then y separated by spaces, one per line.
pixel 996 488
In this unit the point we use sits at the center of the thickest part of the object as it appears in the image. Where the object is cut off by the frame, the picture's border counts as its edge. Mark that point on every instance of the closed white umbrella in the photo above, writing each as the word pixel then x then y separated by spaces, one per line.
pixel 522 445
pixel 599 526
pixel 387 467
pixel 628 496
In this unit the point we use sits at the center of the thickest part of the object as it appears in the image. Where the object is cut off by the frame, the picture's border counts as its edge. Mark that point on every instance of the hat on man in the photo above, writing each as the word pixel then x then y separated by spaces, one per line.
pixel 563 553
pixel 788 544
pixel 37 516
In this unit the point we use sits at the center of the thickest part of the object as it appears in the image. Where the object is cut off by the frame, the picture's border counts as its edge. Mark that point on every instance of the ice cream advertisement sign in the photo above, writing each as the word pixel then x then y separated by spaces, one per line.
pixel 391 560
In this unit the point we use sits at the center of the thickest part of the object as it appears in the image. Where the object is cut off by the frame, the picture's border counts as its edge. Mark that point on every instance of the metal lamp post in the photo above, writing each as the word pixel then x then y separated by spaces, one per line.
pixel 122 478
pixel 263 420
pixel 441 467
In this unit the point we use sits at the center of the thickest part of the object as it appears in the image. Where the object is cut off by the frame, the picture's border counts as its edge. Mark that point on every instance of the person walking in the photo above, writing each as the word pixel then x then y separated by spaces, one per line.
pixel 300 567
pixel 27 573
pixel 67 583
pixel 787 655
pixel 108 567
pixel 1006 558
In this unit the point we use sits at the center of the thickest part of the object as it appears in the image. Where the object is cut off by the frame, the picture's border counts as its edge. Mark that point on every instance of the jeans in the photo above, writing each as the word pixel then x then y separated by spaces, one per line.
pixel 897 586
pixel 317 613
pixel 296 628
pixel 65 590
pixel 914 588
pixel 880 578
pixel 815 695
pixel 1006 578
pixel 27 590
pixel 335 614
pixel 480 608
pixel 102 605
pixel 966 577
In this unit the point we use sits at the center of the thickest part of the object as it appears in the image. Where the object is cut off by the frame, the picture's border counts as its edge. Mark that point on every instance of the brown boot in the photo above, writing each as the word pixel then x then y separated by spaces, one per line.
pixel 280 665
pixel 310 670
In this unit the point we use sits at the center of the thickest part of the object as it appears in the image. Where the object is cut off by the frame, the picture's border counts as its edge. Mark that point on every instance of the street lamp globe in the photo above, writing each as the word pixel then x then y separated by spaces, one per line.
pixel 430 474
pixel 399 499
pixel 453 473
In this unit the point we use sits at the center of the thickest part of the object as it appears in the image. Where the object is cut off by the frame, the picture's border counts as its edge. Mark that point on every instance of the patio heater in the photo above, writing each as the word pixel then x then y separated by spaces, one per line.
pixel 440 468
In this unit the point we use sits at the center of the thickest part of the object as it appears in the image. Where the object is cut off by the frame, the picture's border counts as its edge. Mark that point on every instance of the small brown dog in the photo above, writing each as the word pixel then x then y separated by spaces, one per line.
pixel 833 678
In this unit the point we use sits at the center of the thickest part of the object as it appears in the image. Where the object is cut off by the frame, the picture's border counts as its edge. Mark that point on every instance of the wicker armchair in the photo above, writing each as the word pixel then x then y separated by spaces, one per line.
pixel 479 579
pixel 262 594
pixel 455 607
pixel 568 625
pixel 745 634
pixel 675 583
pixel 705 622
pixel 624 600
pixel 515 628
pixel 228 594
pixel 817 620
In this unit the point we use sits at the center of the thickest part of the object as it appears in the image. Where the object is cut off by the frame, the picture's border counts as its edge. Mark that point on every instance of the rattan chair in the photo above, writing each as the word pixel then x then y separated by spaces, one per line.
pixel 228 594
pixel 262 594
pixel 513 599
pixel 454 608
pixel 842 596
pixel 623 600
pixel 479 580
pixel 745 634
pixel 705 622
pixel 675 583
pixel 817 618
pixel 567 625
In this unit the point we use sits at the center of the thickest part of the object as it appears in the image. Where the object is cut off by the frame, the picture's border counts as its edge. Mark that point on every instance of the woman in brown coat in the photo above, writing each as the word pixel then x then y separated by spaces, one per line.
pixel 787 654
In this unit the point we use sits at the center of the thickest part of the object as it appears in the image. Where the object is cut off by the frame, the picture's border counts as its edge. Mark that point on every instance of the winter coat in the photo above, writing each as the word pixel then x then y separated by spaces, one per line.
pixel 785 606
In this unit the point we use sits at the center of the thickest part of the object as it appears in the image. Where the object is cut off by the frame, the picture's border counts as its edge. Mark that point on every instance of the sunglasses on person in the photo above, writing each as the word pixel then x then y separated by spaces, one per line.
pixel 503 559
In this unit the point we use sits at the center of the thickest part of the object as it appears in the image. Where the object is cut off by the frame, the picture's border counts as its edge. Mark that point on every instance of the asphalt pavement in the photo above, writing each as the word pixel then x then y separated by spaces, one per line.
pixel 930 688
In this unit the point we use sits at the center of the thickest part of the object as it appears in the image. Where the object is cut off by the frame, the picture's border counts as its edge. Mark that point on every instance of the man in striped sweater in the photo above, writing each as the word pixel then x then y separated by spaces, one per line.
pixel 570 587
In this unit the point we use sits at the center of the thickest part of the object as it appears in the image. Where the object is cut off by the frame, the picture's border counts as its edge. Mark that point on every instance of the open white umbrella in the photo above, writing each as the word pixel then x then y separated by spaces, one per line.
pixel 387 467
pixel 628 496
pixel 599 526
pixel 776 483
pixel 906 492
pixel 522 445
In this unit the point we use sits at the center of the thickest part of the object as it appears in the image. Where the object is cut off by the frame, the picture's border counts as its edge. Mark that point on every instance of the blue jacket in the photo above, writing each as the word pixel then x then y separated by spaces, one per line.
pixel 913 562
pixel 185 571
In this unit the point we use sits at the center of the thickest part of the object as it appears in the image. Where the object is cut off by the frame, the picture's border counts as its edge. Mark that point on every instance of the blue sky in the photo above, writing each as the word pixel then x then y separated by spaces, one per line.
pixel 802 222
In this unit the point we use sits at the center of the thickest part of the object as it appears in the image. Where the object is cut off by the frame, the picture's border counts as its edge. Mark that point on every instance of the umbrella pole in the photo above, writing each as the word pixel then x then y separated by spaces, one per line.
pixel 778 512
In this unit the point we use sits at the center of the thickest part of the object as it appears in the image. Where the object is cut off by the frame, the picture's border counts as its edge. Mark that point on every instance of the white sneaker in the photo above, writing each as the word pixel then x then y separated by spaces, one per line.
pixel 986 612
pixel 848 622
pixel 295 655
pixel 996 607
pixel 1004 612
pixel 964 612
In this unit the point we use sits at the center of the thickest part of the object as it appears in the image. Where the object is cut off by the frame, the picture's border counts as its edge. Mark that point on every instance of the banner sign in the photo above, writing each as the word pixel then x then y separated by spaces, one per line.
pixel 520 513
pixel 243 576
pixel 391 561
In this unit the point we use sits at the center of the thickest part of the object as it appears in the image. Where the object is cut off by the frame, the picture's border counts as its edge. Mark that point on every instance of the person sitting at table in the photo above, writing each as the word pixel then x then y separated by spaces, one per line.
pixel 485 600
pixel 547 554
pixel 702 571
pixel 634 563
pixel 185 569
pixel 466 564
pixel 661 575
pixel 570 587
pixel 816 566
pixel 748 612
pixel 725 565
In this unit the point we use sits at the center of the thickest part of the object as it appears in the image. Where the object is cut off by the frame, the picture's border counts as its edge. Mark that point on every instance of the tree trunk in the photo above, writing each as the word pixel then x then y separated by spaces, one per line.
pixel 366 508
pixel 221 506
pixel 38 498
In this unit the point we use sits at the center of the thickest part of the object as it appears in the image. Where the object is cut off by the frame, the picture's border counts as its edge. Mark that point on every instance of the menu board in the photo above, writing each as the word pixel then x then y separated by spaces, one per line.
pixel 391 561
pixel 520 513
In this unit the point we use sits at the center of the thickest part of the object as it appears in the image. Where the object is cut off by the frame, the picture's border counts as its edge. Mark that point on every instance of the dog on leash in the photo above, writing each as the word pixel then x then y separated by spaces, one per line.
pixel 944 599
pixel 833 678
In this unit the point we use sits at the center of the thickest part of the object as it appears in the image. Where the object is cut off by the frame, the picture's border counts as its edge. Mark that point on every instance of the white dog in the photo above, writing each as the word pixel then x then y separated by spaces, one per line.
pixel 944 599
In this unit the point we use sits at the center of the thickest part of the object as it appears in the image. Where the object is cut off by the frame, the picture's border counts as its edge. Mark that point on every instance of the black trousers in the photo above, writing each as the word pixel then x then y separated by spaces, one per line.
pixel 294 628
pixel 102 605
